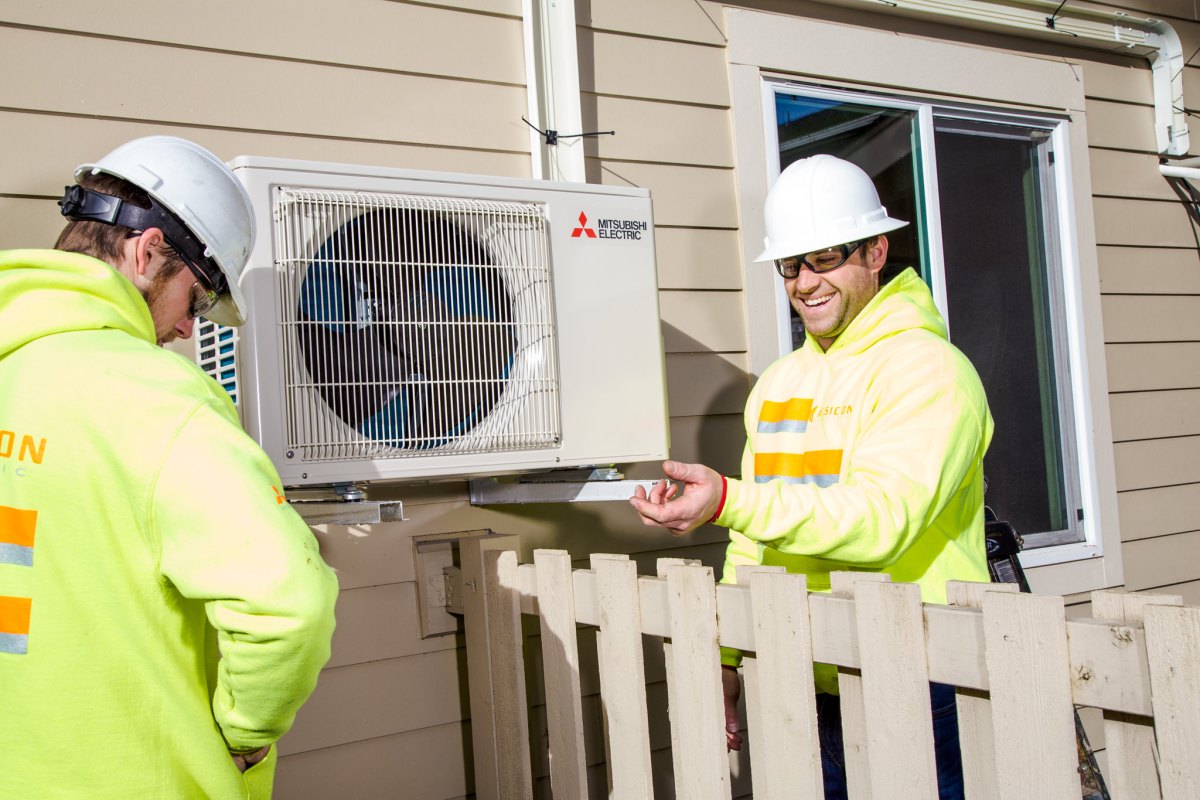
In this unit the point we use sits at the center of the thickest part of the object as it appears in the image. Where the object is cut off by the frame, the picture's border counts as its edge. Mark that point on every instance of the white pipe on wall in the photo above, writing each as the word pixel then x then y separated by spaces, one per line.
pixel 1087 27
pixel 1167 66
pixel 552 88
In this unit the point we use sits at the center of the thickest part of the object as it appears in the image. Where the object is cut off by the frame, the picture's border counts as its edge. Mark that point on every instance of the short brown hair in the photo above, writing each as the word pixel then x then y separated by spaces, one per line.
pixel 101 240
pixel 98 239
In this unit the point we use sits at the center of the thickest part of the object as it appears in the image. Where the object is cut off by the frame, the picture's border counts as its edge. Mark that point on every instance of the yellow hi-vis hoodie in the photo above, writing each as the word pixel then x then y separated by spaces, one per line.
pixel 866 457
pixel 160 602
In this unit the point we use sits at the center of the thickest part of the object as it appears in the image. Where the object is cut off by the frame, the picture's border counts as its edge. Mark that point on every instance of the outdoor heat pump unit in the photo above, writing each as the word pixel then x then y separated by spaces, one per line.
pixel 415 325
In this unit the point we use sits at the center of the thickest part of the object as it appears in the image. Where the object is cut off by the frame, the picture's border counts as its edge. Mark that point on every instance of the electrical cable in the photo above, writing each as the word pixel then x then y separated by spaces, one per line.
pixel 1052 20
pixel 552 136
pixel 1190 197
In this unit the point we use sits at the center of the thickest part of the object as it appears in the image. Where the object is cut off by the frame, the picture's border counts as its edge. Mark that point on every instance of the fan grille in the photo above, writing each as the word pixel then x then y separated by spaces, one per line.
pixel 414 326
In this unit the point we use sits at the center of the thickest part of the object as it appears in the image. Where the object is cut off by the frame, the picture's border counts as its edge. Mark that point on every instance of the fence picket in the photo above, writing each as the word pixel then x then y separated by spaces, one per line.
pixel 1129 738
pixel 850 689
pixel 1028 670
pixel 785 754
pixel 895 678
pixel 622 678
pixel 1173 651
pixel 663 565
pixel 975 734
pixel 560 665
pixel 696 709
pixel 496 673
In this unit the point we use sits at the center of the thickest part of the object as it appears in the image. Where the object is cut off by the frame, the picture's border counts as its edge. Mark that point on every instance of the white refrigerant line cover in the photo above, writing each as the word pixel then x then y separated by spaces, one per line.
pixel 413 325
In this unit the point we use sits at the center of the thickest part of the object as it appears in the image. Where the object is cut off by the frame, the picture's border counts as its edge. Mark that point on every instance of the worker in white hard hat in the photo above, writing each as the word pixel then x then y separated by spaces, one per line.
pixel 163 611
pixel 864 447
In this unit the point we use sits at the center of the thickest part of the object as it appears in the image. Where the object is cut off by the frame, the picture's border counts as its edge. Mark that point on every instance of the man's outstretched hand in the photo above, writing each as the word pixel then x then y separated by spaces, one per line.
pixel 680 513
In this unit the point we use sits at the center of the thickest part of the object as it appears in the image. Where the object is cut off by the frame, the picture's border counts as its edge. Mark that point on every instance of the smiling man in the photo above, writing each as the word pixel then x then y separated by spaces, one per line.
pixel 864 447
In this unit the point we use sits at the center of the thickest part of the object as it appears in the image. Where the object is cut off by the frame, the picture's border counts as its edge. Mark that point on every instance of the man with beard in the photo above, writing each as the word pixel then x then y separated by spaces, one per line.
pixel 163 611
pixel 864 447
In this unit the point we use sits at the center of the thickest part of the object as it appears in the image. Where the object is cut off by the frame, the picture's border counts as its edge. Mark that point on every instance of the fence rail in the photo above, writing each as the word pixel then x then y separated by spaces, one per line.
pixel 1018 664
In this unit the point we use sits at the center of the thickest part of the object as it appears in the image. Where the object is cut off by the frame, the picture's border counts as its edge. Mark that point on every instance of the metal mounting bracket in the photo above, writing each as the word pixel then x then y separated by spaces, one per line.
pixel 353 512
pixel 601 485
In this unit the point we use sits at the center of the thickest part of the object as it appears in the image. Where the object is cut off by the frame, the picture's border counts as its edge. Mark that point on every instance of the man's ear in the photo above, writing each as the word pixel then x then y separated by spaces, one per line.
pixel 877 253
pixel 144 247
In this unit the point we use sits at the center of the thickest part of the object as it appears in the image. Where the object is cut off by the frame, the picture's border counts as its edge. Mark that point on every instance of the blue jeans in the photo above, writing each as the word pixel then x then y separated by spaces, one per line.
pixel 945 743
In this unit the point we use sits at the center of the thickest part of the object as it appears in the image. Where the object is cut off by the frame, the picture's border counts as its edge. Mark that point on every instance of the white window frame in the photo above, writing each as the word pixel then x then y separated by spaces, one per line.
pixel 766 51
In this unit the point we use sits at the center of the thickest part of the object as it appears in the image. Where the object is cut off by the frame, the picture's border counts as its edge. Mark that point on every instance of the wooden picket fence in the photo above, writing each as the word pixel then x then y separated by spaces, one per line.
pixel 1020 667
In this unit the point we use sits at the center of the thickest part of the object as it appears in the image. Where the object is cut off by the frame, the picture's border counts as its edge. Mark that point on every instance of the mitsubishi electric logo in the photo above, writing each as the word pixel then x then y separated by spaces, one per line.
pixel 583 229
pixel 609 228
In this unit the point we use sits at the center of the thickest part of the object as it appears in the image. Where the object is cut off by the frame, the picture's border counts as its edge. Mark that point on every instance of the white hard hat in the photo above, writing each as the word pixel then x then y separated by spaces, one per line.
pixel 199 189
pixel 820 202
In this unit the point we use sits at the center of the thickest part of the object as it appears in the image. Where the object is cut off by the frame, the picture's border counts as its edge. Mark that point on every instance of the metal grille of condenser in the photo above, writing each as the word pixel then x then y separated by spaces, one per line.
pixel 414 325
pixel 216 353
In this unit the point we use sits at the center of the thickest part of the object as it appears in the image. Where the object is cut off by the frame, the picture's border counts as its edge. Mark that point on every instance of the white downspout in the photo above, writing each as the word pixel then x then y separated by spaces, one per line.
pixel 552 88
pixel 1166 66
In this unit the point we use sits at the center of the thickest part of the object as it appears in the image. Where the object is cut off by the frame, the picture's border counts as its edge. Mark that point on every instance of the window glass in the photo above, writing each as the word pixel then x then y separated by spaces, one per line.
pixel 992 182
pixel 994 229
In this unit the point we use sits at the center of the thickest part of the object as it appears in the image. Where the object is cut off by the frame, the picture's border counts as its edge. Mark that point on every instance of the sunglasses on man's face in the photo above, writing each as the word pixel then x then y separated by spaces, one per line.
pixel 203 297
pixel 818 261
pixel 201 300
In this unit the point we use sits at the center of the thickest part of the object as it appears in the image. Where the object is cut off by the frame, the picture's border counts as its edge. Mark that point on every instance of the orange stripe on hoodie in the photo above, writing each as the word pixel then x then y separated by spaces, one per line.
pixel 14 614
pixel 797 408
pixel 798 465
pixel 17 526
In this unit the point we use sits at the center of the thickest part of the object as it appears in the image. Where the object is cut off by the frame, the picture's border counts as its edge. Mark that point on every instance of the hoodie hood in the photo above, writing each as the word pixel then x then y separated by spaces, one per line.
pixel 902 304
pixel 43 292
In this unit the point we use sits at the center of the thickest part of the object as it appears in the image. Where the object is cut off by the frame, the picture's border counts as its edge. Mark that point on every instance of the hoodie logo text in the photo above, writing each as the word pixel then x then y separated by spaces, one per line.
pixel 25 448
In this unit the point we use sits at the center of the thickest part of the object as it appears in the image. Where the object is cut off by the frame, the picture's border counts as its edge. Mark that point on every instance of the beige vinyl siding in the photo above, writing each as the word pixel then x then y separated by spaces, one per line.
pixel 1156 415
pixel 376 34
pixel 238 92
pixel 1162 511
pixel 691 21
pixel 694 258
pixel 1139 270
pixel 71 140
pixel 1150 285
pixel 368 81
pixel 700 384
pixel 1122 126
pixel 416 764
pixel 1142 223
pixel 1120 173
pixel 1151 463
pixel 1162 561
pixel 1153 366
pixel 1189 591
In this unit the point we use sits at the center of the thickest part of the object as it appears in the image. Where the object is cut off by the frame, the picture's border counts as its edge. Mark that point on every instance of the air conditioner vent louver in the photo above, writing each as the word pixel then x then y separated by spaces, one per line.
pixel 216 353
pixel 414 325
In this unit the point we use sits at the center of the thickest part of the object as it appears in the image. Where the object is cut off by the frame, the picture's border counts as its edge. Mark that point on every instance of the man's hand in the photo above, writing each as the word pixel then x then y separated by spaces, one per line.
pixel 695 506
pixel 245 761
pixel 731 688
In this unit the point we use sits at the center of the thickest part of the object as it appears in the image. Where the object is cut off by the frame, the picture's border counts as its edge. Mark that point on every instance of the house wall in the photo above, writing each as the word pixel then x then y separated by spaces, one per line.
pixel 443 87
pixel 419 86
